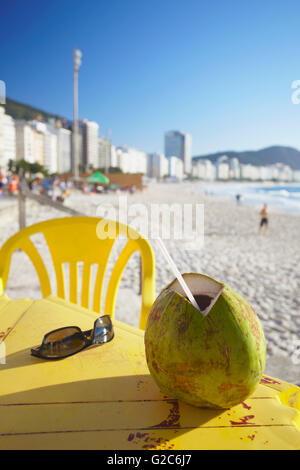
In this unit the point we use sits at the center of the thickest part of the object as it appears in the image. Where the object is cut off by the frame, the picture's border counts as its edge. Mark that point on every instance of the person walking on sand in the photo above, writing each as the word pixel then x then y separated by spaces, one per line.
pixel 238 199
pixel 264 218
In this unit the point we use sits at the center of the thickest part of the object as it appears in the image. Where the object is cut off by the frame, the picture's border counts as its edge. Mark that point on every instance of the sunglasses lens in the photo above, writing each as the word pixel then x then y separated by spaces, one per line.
pixel 103 330
pixel 63 342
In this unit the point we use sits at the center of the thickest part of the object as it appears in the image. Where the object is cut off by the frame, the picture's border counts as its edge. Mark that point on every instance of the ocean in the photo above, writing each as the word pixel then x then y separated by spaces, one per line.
pixel 283 197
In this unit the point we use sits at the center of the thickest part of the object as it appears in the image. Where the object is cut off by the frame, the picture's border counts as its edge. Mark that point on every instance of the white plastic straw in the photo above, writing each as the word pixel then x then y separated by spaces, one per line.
pixel 177 273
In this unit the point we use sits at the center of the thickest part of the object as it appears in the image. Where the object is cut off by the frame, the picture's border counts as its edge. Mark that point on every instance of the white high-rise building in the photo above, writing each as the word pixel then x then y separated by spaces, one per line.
pixel 7 138
pixel 131 160
pixel 210 170
pixel 234 168
pixel 113 156
pixel 50 157
pixel 250 172
pixel 64 146
pixel 222 168
pixel 157 165
pixel 39 130
pixel 204 169
pixel 24 142
pixel 105 153
pixel 51 154
pixel 90 143
pixel 199 169
pixel 176 169
pixel 39 147
pixel 265 173
pixel 285 173
pixel 187 155
pixel 179 145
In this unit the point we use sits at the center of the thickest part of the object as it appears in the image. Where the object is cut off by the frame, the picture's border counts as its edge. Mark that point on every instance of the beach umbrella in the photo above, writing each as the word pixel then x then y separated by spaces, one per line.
pixel 97 178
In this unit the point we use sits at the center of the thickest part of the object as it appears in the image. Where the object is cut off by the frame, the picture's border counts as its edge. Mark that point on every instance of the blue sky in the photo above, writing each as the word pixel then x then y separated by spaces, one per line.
pixel 221 71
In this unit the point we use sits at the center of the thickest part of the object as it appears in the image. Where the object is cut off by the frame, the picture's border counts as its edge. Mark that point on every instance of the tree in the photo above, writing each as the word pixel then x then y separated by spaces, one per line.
pixel 15 166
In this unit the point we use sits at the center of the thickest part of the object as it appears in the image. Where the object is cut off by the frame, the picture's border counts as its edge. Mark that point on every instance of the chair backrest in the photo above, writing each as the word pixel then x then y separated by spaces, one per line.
pixel 88 240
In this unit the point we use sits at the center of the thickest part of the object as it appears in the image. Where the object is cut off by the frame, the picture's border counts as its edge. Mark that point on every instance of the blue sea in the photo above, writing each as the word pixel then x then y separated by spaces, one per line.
pixel 284 197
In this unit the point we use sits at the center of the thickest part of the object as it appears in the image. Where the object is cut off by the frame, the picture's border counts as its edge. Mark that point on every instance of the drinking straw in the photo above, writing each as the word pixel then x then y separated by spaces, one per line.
pixel 177 273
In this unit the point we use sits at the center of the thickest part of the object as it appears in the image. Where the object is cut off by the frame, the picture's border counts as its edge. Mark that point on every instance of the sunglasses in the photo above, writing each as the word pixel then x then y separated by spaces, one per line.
pixel 69 340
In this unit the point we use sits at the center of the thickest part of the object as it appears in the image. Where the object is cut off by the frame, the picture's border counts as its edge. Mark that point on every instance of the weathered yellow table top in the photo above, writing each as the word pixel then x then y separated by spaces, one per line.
pixel 105 398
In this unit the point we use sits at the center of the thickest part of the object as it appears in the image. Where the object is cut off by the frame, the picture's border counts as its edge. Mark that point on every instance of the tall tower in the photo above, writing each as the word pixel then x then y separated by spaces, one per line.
pixel 179 145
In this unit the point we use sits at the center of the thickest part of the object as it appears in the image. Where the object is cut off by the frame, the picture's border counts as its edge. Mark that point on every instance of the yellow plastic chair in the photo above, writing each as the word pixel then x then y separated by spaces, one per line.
pixel 88 240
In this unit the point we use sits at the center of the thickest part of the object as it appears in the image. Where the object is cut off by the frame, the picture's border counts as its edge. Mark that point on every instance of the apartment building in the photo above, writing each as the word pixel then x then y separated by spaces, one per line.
pixel 131 160
pixel 7 138
pixel 176 168
pixel 64 149
pixel 24 142
pixel 157 165
pixel 90 144
pixel 179 145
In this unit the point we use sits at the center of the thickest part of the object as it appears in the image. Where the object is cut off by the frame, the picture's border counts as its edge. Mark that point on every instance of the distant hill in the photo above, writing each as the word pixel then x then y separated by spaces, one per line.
pixel 267 156
pixel 24 111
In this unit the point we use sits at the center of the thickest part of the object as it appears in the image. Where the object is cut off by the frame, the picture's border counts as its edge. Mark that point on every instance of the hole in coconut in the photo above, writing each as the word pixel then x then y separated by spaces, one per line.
pixel 205 290
pixel 203 301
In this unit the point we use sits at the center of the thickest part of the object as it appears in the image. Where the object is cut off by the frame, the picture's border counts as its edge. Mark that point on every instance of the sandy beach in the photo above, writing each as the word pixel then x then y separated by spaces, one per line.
pixel 265 269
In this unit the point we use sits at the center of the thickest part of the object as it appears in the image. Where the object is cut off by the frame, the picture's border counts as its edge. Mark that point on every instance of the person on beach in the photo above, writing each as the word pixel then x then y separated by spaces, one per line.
pixel 264 218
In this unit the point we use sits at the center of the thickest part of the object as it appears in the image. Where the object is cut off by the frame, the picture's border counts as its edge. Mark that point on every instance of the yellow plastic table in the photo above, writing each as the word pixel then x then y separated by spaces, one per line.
pixel 105 398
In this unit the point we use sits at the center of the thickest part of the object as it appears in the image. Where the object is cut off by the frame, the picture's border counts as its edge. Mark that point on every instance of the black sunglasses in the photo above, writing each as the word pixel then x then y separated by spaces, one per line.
pixel 69 340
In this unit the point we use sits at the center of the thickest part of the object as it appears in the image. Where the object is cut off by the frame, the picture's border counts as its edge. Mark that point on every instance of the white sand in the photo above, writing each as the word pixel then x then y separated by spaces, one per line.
pixel 263 269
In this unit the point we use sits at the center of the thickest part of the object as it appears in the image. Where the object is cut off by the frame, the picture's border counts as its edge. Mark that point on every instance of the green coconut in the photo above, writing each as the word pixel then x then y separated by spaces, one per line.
pixel 212 358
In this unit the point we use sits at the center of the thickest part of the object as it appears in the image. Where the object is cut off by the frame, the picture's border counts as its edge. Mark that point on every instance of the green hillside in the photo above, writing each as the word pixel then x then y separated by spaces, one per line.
pixel 24 111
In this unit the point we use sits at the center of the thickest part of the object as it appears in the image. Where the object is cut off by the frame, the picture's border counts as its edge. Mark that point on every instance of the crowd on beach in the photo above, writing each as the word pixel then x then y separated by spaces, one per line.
pixel 8 184
pixel 57 188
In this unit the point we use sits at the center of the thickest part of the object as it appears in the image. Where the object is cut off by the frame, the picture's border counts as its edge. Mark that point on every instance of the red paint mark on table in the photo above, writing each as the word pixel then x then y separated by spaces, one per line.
pixel 173 417
pixel 160 442
pixel 268 380
pixel 242 420
pixel 150 442
pixel 246 406
pixel 138 435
